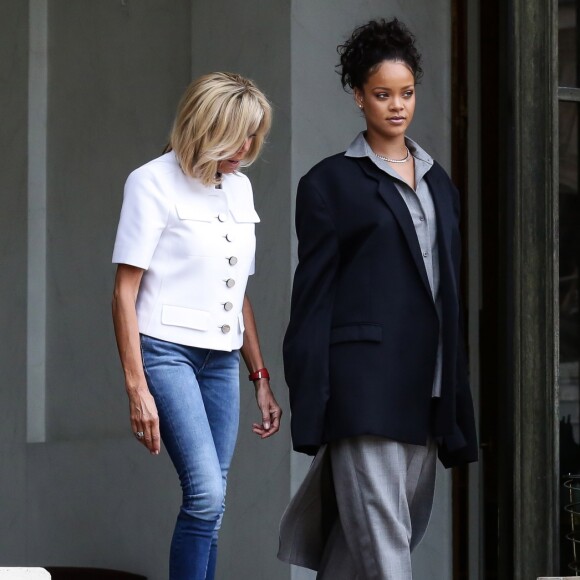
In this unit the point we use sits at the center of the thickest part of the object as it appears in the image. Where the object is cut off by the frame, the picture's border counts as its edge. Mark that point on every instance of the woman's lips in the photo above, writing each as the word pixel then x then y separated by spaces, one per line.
pixel 230 165
pixel 396 120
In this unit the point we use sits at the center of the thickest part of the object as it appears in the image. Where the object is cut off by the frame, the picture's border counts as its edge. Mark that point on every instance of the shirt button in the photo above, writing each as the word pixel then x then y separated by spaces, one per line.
pixel 421 219
pixel 225 328
pixel 230 282
pixel 229 237
pixel 233 261
pixel 425 254
pixel 222 217
pixel 228 306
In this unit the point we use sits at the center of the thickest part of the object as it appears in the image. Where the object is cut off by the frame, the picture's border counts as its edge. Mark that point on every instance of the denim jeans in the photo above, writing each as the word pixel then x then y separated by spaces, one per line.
pixel 197 396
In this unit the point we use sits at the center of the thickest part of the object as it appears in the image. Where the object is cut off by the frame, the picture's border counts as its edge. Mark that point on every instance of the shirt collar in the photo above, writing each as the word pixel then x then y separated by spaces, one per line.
pixel 360 148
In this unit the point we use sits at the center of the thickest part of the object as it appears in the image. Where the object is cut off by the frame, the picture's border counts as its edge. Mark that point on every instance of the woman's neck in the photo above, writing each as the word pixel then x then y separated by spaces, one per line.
pixel 394 148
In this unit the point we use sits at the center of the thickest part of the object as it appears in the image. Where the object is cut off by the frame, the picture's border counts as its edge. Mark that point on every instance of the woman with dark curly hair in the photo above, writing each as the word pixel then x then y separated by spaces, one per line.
pixel 373 354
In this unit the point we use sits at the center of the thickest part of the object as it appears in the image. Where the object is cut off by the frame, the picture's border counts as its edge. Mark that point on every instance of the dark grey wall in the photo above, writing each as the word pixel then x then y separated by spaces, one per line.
pixel 116 72
pixel 13 244
pixel 94 497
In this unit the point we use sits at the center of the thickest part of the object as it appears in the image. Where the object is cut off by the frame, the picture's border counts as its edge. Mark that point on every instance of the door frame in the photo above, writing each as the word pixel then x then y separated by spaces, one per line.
pixel 519 322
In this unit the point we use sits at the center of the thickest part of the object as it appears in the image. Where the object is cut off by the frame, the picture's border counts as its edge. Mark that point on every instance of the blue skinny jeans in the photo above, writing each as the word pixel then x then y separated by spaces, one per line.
pixel 197 396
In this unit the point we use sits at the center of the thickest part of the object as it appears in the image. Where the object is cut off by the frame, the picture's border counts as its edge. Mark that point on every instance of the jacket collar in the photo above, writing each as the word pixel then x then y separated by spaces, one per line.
pixel 423 161
pixel 443 208
pixel 394 200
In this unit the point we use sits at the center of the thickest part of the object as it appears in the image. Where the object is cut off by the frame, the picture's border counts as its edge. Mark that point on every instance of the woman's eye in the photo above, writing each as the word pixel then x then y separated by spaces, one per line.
pixel 382 95
pixel 408 94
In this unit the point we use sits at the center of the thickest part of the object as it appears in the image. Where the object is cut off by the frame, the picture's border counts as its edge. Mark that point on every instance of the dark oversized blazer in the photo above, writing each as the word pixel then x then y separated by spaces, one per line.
pixel 361 345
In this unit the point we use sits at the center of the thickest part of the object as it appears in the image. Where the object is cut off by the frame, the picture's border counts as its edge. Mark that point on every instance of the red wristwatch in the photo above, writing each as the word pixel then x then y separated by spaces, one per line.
pixel 259 374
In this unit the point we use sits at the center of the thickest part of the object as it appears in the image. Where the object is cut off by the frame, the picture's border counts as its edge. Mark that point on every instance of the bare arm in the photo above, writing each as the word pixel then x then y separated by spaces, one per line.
pixel 142 407
pixel 252 355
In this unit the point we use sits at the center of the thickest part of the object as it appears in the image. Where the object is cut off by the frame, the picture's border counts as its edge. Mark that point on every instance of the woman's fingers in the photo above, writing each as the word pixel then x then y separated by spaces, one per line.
pixel 151 435
pixel 274 423
pixel 266 418
pixel 276 416
pixel 271 414
pixel 258 429
pixel 145 421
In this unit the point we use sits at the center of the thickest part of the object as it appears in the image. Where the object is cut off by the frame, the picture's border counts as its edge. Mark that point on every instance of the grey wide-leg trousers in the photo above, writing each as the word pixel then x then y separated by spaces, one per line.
pixel 384 495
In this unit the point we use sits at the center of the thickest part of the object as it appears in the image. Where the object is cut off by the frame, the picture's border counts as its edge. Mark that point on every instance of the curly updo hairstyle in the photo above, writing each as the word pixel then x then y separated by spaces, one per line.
pixel 371 44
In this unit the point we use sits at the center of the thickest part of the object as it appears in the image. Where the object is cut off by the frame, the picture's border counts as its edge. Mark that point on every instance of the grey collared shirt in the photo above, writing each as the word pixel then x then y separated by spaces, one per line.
pixel 420 204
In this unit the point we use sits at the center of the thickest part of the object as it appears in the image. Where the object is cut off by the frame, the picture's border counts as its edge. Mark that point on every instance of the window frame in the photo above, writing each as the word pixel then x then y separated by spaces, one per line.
pixel 532 302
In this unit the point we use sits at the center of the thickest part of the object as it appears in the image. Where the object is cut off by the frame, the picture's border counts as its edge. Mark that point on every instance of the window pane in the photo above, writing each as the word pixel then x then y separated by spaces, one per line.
pixel 568 47
pixel 569 323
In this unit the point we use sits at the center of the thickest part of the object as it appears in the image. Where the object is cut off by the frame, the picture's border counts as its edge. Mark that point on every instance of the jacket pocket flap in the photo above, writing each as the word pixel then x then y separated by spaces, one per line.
pixel 245 214
pixel 198 213
pixel 356 333
pixel 185 317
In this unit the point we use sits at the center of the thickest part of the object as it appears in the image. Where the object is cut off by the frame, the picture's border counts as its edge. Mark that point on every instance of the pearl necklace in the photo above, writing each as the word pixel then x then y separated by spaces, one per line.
pixel 404 160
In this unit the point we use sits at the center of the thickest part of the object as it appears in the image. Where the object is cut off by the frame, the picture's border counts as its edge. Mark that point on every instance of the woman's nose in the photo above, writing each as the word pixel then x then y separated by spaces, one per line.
pixel 246 146
pixel 396 104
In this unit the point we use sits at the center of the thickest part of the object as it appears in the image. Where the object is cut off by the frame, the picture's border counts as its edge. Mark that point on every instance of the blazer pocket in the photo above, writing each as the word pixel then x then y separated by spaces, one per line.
pixel 185 317
pixel 356 333
pixel 245 215
pixel 198 213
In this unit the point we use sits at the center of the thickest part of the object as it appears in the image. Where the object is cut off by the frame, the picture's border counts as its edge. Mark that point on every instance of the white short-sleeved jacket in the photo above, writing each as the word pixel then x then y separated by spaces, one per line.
pixel 197 245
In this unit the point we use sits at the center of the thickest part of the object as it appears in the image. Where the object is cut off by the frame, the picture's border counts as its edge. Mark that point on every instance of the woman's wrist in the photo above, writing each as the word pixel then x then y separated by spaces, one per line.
pixel 135 384
pixel 259 374
pixel 262 385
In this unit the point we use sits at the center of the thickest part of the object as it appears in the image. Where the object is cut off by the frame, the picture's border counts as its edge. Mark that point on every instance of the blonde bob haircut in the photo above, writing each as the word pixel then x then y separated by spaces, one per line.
pixel 215 116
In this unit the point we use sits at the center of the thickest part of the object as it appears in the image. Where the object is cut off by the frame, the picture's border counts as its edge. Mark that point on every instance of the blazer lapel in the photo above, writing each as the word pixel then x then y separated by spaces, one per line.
pixel 444 209
pixel 397 205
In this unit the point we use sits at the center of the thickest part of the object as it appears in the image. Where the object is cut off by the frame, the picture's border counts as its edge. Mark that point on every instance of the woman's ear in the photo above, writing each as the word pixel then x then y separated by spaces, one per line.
pixel 358 99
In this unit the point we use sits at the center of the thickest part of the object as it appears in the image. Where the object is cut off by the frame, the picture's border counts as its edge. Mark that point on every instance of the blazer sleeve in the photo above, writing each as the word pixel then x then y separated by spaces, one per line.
pixel 463 448
pixel 144 216
pixel 306 343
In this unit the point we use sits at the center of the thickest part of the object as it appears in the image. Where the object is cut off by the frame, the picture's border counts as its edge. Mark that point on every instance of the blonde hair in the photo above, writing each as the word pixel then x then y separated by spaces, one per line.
pixel 215 116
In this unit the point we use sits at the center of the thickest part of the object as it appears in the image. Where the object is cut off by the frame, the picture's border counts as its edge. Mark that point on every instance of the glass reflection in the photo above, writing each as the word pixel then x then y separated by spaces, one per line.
pixel 569 315
pixel 568 42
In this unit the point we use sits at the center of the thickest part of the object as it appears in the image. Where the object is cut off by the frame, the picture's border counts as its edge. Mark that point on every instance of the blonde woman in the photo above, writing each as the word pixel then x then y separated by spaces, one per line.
pixel 185 248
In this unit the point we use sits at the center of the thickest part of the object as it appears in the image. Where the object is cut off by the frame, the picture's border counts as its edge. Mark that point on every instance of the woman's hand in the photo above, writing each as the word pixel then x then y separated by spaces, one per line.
pixel 271 412
pixel 144 419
